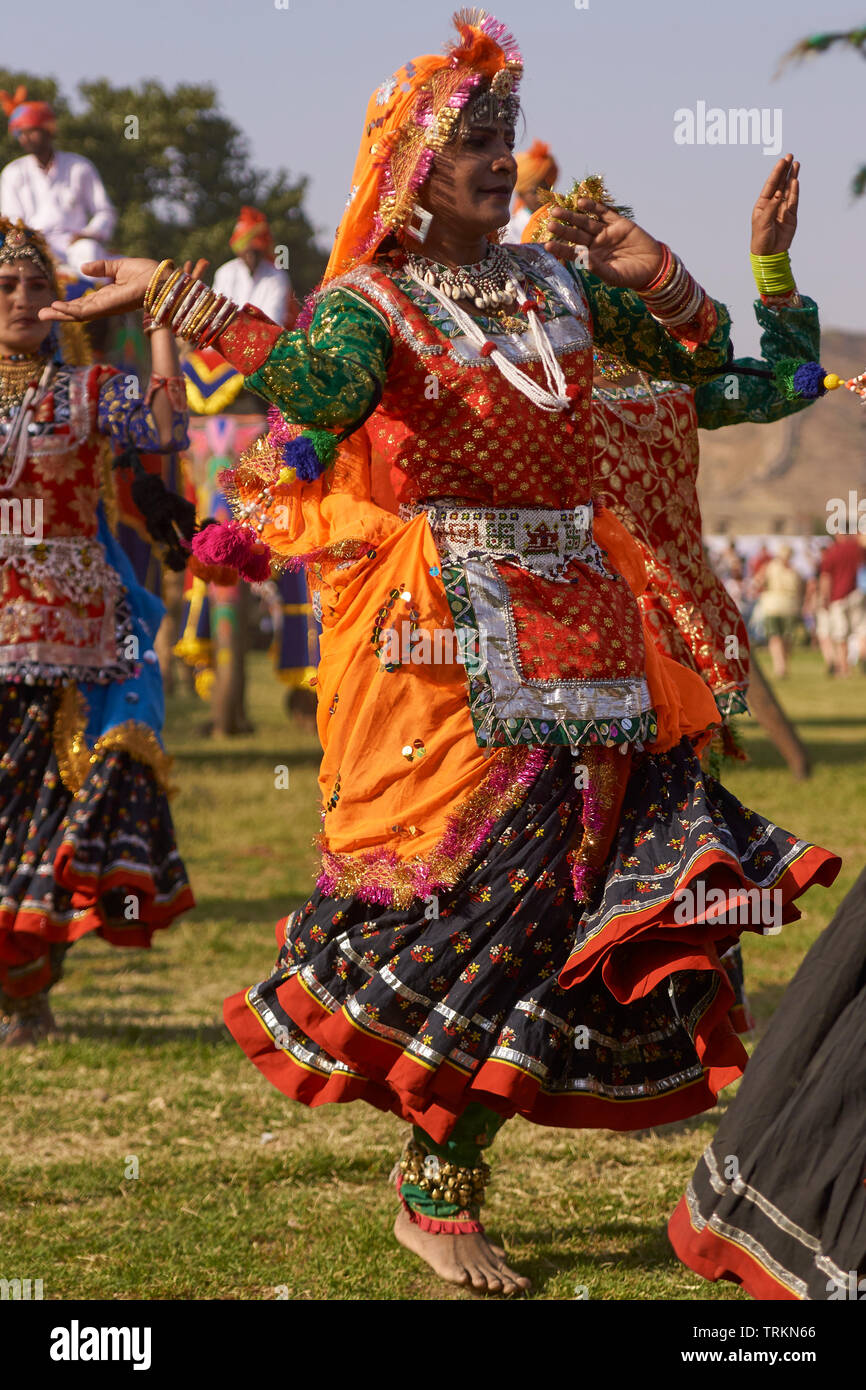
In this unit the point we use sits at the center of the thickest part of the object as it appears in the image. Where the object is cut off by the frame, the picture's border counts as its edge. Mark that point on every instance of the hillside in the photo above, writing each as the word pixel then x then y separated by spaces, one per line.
pixel 777 478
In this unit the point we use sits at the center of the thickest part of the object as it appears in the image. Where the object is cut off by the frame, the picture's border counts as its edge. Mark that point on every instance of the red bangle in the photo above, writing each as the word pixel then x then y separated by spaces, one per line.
pixel 664 274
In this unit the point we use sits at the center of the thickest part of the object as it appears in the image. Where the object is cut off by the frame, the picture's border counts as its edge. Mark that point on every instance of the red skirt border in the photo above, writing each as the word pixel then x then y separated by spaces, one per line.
pixel 434 1097
pixel 715 1257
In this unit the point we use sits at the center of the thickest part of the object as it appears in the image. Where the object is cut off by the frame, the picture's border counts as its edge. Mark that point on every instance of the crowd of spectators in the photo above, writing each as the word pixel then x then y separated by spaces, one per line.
pixel 816 597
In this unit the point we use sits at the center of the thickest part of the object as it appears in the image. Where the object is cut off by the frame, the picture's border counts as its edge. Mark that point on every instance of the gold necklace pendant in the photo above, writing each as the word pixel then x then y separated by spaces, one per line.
pixel 512 324
pixel 16 374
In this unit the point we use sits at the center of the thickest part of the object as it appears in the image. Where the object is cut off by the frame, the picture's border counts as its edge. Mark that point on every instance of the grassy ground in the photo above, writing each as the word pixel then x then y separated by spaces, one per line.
pixel 142 1156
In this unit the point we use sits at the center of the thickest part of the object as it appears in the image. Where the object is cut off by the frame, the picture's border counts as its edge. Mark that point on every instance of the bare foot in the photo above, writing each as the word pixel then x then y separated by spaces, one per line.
pixel 20 1030
pixel 470 1260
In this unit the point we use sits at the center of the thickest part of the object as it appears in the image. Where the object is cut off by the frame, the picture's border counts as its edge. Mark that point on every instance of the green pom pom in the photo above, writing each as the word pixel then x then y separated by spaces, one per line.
pixel 325 445
pixel 784 373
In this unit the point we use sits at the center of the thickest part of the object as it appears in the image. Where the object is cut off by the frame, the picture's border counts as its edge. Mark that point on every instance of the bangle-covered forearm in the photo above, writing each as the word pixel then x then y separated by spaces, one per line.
pixel 679 303
pixel 187 306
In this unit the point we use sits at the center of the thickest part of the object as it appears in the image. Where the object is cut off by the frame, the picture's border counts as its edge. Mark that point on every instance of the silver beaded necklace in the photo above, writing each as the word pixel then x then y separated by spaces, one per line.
pixel 488 284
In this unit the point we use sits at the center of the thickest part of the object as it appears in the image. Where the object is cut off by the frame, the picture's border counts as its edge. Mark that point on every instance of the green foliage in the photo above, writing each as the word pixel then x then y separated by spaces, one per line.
pixel 177 170
pixel 821 43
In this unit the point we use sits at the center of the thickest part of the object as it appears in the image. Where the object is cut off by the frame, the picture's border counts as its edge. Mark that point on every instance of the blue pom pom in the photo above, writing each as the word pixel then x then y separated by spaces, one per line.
pixel 301 455
pixel 809 381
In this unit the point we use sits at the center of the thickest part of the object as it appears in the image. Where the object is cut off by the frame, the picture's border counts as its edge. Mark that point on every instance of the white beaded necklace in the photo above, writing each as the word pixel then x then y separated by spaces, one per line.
pixel 554 399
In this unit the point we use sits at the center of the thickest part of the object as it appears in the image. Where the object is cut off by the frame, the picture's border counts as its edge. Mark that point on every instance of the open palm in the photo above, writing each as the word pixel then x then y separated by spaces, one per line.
pixel 774 216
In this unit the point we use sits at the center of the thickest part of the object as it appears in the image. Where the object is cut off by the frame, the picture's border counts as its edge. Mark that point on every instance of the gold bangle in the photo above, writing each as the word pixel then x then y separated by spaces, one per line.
pixel 154 281
pixel 192 305
pixel 178 311
pixel 202 313
pixel 164 292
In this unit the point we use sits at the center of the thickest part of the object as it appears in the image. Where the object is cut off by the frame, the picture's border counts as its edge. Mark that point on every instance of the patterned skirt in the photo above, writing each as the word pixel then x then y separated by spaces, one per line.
pixel 777 1202
pixel 613 1012
pixel 102 859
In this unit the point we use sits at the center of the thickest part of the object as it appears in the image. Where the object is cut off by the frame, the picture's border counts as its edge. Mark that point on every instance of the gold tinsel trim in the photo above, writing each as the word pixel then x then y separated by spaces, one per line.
pixel 70 747
pixel 593 186
pixel 75 759
pixel 75 345
pixel 349 874
pixel 140 742
pixel 108 488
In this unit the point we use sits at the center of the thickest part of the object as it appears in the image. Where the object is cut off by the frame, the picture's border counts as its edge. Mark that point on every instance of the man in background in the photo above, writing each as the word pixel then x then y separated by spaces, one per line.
pixel 53 190
pixel 252 277
pixel 781 599
pixel 840 595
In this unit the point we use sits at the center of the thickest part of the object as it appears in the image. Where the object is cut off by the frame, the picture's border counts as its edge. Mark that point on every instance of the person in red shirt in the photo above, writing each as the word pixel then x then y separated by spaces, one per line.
pixel 839 594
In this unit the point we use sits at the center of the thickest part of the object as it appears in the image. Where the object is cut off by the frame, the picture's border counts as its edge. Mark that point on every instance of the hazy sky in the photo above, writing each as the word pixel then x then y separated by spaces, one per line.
pixel 602 84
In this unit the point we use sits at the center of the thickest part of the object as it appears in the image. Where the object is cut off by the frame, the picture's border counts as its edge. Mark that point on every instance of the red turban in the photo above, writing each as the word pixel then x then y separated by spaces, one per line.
pixel 32 115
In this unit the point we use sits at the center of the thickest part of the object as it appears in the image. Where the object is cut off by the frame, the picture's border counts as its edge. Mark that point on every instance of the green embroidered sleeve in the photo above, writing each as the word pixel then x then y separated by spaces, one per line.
pixel 624 327
pixel 733 399
pixel 330 374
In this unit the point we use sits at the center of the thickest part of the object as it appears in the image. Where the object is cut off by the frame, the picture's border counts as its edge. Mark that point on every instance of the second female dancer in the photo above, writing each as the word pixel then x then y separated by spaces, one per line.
pixel 86 836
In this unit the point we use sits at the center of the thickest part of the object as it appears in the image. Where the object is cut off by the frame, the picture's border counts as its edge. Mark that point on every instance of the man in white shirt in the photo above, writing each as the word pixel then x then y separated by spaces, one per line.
pixel 59 193
pixel 252 278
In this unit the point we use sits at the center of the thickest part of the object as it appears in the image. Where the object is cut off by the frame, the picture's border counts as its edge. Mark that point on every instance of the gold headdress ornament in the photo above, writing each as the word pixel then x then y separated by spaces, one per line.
pixel 593 186
pixel 19 243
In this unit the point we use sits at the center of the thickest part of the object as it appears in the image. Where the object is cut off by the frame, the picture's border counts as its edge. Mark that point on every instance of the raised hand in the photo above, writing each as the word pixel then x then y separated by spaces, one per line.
pixel 774 216
pixel 130 278
pixel 619 251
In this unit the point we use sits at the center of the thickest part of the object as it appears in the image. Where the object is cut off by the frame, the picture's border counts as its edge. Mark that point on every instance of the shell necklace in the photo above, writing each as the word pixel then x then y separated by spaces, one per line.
pixel 440 283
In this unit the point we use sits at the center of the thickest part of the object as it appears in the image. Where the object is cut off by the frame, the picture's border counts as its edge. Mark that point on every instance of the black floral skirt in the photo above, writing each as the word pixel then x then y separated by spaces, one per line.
pixel 506 991
pixel 102 859
pixel 777 1203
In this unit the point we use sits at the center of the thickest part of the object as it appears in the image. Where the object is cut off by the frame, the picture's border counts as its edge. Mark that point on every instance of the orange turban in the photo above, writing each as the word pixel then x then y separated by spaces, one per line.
pixel 409 118
pixel 252 233
pixel 535 166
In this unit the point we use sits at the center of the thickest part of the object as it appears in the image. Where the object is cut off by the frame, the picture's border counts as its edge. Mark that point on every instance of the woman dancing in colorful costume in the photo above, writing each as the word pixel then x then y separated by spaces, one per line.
pixel 496 927
pixel 86 837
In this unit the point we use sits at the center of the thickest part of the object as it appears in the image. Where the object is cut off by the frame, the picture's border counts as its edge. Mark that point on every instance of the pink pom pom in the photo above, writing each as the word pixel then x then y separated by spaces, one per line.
pixel 229 543
pixel 222 543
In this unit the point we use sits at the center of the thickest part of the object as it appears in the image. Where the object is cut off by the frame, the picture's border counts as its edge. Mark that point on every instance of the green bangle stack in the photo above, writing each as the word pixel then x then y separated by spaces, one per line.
pixel 773 274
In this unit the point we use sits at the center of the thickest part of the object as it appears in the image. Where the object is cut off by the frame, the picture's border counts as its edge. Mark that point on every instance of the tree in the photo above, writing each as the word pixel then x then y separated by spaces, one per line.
pixel 820 43
pixel 176 168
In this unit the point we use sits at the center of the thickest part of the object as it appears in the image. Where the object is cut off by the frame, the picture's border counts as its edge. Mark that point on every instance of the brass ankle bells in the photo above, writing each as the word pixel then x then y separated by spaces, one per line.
pixel 443 1180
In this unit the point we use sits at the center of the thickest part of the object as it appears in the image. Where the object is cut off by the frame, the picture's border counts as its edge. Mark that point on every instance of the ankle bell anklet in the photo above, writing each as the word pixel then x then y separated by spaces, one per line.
pixel 443 1180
